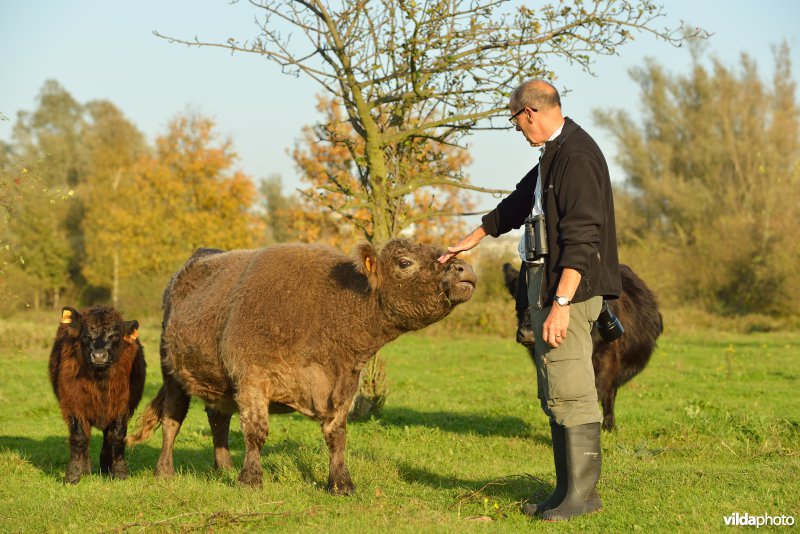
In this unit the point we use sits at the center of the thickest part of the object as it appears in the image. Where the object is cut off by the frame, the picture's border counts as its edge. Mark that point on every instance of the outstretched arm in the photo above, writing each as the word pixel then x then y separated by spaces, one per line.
pixel 470 241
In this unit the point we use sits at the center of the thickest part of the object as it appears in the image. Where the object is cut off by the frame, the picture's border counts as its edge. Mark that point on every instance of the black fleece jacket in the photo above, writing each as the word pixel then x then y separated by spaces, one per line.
pixel 579 214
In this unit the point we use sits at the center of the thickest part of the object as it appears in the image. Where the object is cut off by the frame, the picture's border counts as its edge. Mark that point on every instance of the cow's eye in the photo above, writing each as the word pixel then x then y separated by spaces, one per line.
pixel 404 264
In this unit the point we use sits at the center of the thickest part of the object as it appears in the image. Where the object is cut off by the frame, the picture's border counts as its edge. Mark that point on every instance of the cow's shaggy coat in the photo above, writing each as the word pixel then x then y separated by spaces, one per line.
pixel 289 328
pixel 616 362
pixel 97 370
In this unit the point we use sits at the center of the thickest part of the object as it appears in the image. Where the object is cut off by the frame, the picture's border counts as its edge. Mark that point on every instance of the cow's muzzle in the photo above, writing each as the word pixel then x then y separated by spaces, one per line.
pixel 100 358
pixel 463 282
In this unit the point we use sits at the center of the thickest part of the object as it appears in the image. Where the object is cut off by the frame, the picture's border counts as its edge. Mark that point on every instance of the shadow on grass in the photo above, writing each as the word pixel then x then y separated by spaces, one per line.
pixel 51 454
pixel 464 423
pixel 517 487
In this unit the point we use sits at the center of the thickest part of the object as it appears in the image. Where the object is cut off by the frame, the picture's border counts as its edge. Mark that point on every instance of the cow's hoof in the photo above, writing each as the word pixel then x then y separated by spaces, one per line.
pixel 250 477
pixel 120 471
pixel 164 472
pixel 223 464
pixel 74 472
pixel 341 487
pixel 609 424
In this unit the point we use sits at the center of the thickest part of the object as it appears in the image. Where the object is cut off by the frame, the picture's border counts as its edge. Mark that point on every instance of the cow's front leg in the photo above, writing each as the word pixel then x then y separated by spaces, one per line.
pixel 79 463
pixel 114 443
pixel 335 432
pixel 220 424
pixel 607 399
pixel 253 401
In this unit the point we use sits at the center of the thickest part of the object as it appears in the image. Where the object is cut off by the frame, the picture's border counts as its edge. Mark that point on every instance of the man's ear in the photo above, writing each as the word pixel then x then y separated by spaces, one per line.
pixel 130 331
pixel 368 264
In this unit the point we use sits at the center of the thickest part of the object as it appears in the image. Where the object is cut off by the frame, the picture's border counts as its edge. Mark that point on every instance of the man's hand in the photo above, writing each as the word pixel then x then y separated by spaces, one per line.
pixel 467 243
pixel 557 322
pixel 555 326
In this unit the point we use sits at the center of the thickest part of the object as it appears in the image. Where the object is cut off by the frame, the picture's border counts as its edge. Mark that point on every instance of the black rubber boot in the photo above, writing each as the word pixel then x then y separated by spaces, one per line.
pixel 583 471
pixel 560 460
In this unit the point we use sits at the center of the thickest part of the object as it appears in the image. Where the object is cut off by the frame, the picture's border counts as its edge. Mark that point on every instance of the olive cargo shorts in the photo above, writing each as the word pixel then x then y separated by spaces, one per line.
pixel 565 376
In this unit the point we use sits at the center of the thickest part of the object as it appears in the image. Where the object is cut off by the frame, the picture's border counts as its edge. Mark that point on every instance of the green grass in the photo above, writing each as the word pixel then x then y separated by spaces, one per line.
pixel 710 428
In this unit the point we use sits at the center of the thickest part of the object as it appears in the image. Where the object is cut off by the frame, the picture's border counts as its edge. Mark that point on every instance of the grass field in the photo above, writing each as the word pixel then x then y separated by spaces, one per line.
pixel 710 428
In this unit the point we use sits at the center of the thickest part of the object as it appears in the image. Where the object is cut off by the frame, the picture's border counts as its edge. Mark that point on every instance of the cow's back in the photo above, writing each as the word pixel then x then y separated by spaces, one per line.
pixel 296 305
pixel 196 304
pixel 281 308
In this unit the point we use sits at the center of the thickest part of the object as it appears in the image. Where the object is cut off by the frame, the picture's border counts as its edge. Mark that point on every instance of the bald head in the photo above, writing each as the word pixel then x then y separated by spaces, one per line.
pixel 535 94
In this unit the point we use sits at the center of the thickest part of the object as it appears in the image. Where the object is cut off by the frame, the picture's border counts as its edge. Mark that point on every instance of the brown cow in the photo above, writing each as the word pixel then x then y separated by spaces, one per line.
pixel 615 362
pixel 97 370
pixel 289 328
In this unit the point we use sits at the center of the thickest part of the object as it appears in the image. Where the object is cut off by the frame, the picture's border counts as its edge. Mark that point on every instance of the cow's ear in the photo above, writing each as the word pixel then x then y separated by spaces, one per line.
pixel 130 330
pixel 70 316
pixel 367 263
pixel 71 319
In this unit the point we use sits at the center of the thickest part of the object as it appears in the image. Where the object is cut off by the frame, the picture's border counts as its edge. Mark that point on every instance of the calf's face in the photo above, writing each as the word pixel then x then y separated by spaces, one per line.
pixel 102 334
pixel 414 289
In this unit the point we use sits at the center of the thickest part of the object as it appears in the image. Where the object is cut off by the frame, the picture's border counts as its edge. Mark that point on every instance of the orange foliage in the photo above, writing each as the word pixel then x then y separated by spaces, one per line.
pixel 335 208
pixel 186 197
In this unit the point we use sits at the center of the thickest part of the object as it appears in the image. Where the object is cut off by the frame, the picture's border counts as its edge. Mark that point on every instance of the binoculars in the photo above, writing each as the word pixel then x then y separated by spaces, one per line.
pixel 535 238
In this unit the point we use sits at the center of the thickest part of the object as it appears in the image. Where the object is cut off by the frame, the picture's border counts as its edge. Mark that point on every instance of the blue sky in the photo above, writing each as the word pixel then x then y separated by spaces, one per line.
pixel 105 50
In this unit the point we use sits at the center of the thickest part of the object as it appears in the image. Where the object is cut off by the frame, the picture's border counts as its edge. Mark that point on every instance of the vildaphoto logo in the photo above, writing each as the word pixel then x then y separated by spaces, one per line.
pixel 764 520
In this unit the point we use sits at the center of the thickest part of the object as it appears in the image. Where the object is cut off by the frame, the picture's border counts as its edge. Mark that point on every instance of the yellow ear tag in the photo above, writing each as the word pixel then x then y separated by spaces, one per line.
pixel 66 317
pixel 368 263
pixel 130 338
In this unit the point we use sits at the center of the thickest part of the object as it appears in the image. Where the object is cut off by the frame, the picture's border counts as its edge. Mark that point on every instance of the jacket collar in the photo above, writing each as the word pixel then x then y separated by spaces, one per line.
pixel 569 127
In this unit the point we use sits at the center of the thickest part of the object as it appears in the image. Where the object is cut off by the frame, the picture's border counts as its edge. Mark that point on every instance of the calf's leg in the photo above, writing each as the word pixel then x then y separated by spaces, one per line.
pixel 176 404
pixel 105 453
pixel 112 457
pixel 79 463
pixel 335 432
pixel 220 424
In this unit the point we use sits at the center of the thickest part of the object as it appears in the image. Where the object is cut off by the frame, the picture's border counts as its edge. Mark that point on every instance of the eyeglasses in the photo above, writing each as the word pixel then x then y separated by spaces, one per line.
pixel 513 118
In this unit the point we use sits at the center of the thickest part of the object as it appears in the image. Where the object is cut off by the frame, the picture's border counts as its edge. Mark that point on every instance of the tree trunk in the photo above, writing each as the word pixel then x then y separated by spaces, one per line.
pixel 115 281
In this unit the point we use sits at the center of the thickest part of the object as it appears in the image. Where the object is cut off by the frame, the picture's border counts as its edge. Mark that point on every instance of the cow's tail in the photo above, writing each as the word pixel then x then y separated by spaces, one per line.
pixel 149 420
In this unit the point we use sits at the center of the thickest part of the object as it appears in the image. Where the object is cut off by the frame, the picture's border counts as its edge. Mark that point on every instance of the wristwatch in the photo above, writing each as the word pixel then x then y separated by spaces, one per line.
pixel 562 301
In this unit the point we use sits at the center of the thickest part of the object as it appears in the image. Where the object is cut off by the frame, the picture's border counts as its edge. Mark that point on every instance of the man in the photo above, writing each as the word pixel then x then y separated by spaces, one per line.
pixel 572 188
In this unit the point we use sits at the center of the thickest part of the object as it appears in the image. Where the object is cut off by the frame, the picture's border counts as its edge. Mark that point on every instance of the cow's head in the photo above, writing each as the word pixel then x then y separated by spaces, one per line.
pixel 413 288
pixel 102 334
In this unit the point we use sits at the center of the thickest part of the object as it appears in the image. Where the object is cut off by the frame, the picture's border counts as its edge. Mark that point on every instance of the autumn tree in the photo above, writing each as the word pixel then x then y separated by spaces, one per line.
pixel 330 170
pixel 186 195
pixel 113 145
pixel 49 162
pixel 414 77
pixel 710 208
pixel 279 211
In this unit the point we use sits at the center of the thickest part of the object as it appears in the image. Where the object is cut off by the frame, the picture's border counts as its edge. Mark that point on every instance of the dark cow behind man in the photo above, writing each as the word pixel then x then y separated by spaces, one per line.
pixel 97 370
pixel 289 328
pixel 615 362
